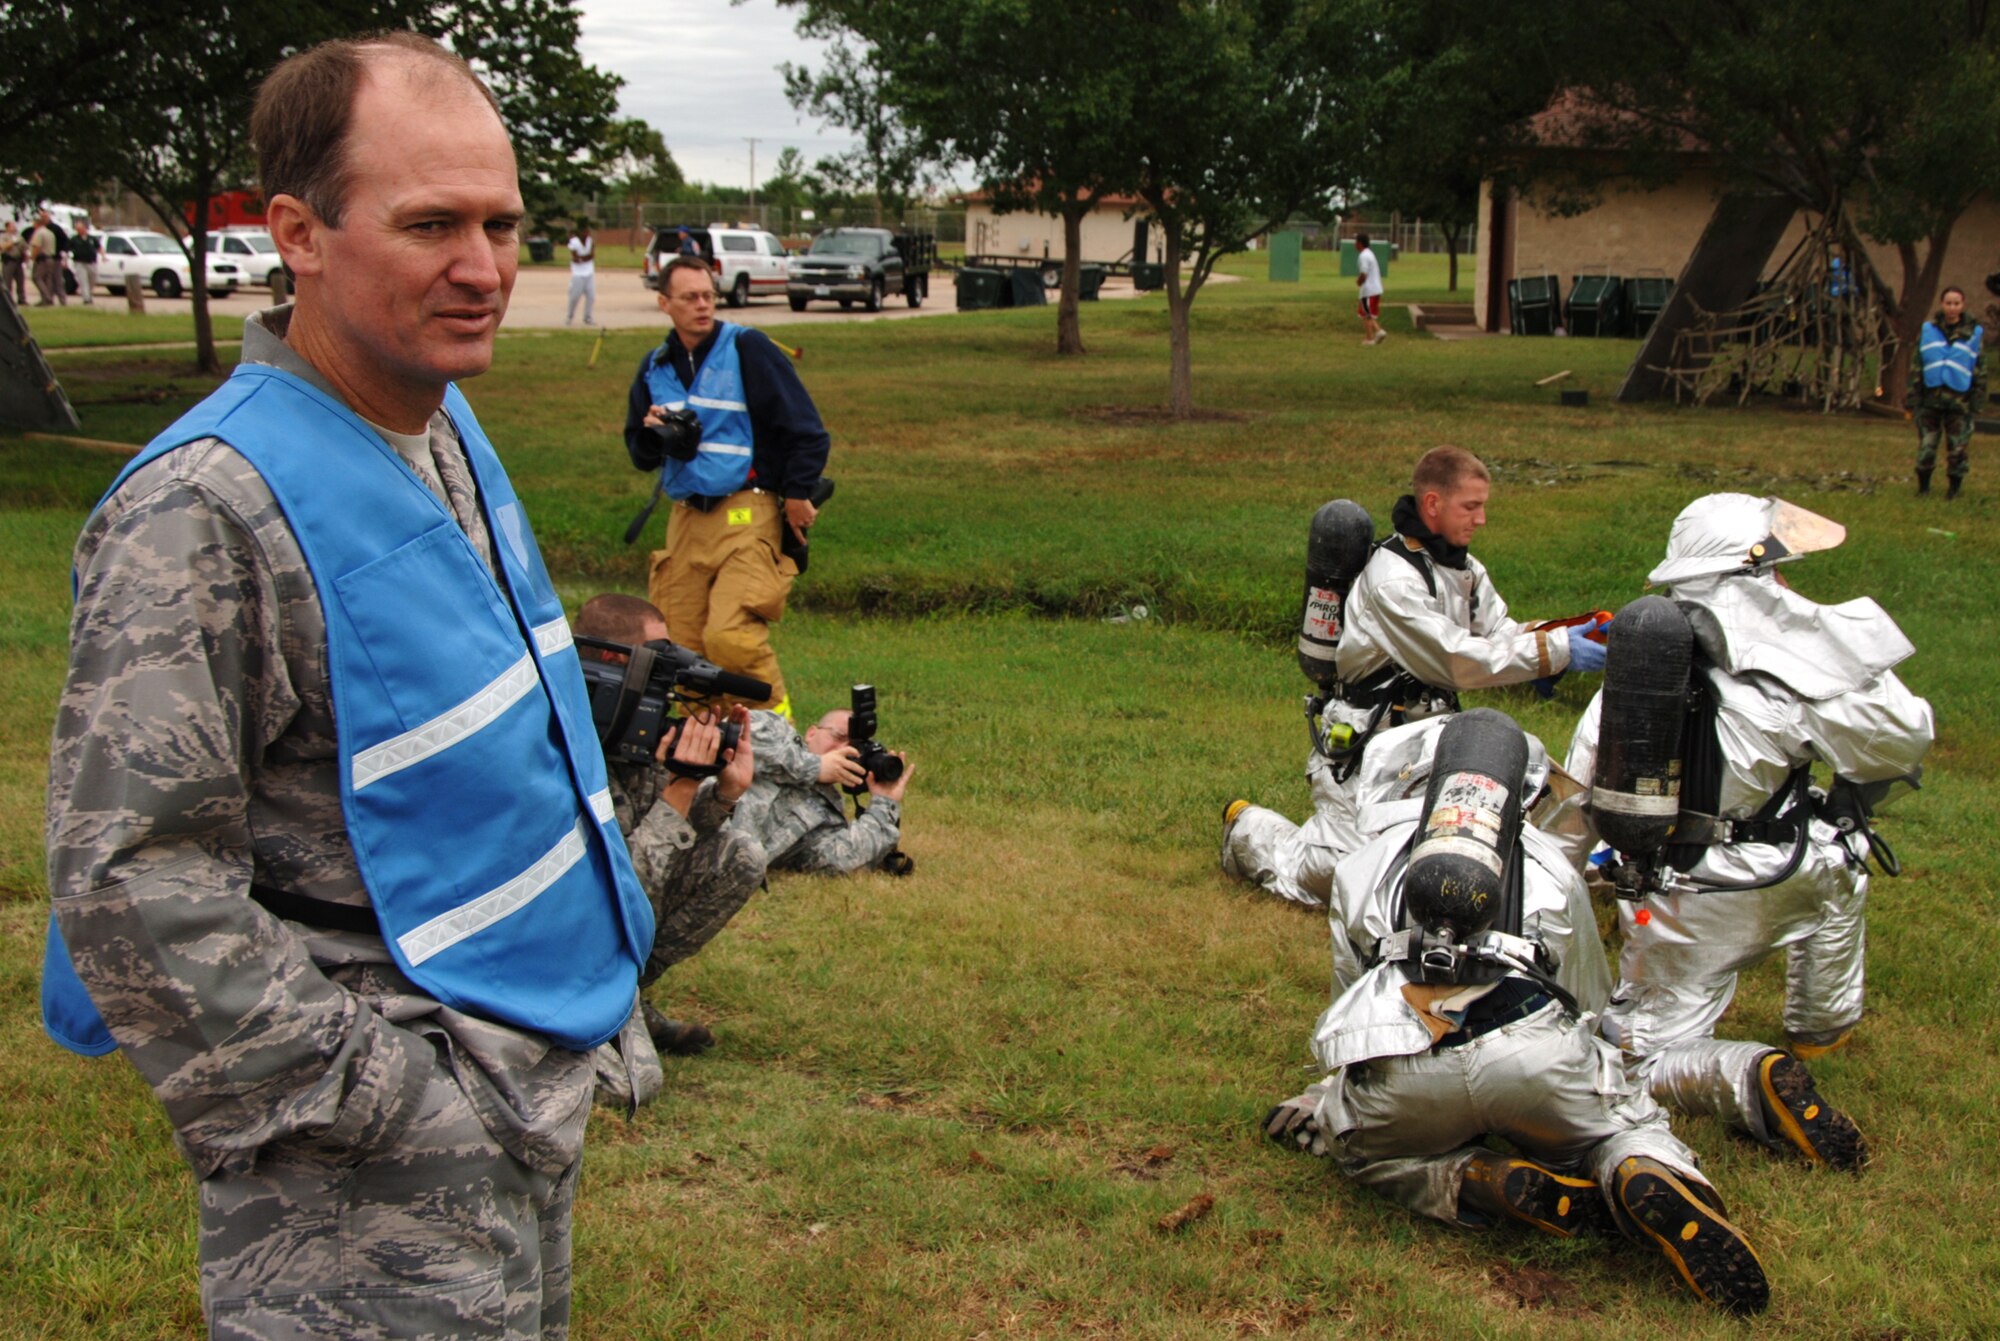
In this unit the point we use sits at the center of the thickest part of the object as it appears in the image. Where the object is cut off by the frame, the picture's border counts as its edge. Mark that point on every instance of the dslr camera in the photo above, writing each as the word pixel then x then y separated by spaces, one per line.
pixel 875 759
pixel 629 702
pixel 680 435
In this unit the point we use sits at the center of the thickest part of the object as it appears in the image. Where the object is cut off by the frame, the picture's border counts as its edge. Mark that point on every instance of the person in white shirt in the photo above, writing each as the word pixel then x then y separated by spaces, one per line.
pixel 582 274
pixel 1369 281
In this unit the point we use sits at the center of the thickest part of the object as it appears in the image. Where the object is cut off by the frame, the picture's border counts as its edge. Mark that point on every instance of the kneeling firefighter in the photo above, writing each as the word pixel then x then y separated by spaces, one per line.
pixel 1467 975
pixel 1716 704
pixel 1391 633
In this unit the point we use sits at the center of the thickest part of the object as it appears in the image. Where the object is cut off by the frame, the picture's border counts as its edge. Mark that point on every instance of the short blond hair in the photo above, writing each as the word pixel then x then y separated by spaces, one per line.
pixel 1442 469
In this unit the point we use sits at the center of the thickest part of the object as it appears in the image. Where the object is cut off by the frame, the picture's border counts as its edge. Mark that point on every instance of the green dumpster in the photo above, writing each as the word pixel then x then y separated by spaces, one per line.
pixel 1596 305
pixel 1090 278
pixel 1645 297
pixel 1024 289
pixel 541 250
pixel 1148 275
pixel 1286 250
pixel 980 288
pixel 1350 261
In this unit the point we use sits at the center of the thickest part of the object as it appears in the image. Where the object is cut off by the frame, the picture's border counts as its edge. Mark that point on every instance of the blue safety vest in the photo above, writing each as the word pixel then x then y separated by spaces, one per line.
pixel 471 777
pixel 722 466
pixel 1948 363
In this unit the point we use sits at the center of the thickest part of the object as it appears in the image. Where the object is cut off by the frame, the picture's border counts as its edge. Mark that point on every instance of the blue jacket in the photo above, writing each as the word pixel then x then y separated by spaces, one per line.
pixel 472 781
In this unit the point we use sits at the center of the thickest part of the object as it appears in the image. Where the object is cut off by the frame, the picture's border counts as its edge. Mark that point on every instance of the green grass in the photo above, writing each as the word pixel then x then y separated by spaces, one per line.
pixel 956 1104
pixel 107 322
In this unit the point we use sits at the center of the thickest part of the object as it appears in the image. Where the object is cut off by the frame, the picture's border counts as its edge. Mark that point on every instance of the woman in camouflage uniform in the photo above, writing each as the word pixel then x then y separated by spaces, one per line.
pixel 1947 390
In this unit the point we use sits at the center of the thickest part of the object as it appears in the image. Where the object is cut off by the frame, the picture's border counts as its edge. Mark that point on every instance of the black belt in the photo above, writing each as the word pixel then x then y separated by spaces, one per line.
pixel 316 912
pixel 1475 1026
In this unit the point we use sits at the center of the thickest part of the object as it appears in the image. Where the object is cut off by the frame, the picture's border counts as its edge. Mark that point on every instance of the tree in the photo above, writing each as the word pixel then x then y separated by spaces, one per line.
pixel 1448 91
pixel 888 161
pixel 1820 101
pixel 1240 119
pixel 635 157
pixel 785 189
pixel 1021 89
pixel 167 115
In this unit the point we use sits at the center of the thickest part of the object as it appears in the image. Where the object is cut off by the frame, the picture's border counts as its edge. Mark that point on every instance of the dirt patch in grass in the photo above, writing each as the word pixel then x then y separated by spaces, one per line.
pixel 1144 416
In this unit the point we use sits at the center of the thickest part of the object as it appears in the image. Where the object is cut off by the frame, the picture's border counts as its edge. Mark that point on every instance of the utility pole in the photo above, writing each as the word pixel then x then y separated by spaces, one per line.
pixel 753 170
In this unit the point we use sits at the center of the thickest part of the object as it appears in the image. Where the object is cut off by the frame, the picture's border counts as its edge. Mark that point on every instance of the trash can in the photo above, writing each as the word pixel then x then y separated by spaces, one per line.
pixel 1286 250
pixel 1531 302
pixel 1148 275
pixel 979 288
pixel 541 250
pixel 1089 279
pixel 1595 305
pixel 1645 299
pixel 1025 289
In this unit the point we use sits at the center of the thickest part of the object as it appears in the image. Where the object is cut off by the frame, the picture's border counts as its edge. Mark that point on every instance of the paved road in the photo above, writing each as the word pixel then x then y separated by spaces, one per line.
pixel 623 303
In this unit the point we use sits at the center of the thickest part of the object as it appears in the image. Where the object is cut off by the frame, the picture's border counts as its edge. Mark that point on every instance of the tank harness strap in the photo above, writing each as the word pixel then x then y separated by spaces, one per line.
pixel 1782 819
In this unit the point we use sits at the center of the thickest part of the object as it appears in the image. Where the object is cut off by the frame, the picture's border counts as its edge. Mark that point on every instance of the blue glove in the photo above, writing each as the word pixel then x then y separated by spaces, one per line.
pixel 1584 655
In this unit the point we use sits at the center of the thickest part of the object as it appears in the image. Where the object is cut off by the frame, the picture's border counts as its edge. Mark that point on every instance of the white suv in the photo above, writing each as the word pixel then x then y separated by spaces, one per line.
pixel 160 262
pixel 252 250
pixel 745 262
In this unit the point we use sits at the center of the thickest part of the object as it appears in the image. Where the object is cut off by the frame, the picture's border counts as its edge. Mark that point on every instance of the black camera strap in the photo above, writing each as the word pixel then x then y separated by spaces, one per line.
pixel 645 513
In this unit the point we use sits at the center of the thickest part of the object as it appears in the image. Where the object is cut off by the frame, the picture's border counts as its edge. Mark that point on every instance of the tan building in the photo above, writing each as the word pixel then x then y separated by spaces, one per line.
pixel 1634 233
pixel 1108 230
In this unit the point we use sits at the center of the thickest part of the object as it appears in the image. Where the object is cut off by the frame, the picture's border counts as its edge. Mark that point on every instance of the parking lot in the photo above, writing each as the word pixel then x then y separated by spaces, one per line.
pixel 623 303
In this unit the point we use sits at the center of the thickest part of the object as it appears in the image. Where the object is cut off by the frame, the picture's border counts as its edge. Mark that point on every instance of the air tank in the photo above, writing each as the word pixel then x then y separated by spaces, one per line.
pixel 1337 548
pixel 1472 821
pixel 1636 788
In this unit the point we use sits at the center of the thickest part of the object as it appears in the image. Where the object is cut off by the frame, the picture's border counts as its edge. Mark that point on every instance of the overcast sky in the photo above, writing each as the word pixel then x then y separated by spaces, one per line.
pixel 704 73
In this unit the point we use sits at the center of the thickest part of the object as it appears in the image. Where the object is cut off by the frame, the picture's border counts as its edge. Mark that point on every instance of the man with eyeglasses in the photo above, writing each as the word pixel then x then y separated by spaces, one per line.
pixel 794 807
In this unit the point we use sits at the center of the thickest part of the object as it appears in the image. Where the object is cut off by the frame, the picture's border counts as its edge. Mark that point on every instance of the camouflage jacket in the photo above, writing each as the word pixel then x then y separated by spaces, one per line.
pixel 194 753
pixel 801 821
pixel 1921 397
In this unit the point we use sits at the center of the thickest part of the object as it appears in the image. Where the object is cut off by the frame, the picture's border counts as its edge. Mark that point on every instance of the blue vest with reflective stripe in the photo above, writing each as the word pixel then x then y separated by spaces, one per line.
pixel 722 466
pixel 1948 363
pixel 471 777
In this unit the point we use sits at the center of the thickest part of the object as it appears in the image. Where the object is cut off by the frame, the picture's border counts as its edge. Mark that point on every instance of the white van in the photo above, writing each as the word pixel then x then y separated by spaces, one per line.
pixel 251 250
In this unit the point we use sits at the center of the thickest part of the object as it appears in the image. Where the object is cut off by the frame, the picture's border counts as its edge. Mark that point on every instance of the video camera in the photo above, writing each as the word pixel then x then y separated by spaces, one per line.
pixel 875 759
pixel 628 702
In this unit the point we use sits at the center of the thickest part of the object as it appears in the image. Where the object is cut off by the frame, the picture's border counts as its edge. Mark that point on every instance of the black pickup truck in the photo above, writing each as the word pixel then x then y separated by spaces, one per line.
pixel 863 265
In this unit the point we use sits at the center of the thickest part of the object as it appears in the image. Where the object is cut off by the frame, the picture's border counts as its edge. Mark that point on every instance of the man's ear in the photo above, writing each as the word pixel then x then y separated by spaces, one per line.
pixel 298 232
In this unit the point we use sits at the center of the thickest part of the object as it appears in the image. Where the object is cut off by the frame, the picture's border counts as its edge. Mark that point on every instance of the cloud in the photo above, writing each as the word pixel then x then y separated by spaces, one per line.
pixel 704 73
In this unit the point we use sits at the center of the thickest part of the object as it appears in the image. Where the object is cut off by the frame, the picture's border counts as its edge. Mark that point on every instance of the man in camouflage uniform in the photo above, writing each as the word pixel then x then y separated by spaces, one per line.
pixel 372 1163
pixel 1944 412
pixel 696 871
pixel 795 809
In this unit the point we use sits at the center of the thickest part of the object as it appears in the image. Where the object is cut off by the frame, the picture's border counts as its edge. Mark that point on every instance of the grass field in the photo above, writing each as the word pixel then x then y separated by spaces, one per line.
pixel 956 1105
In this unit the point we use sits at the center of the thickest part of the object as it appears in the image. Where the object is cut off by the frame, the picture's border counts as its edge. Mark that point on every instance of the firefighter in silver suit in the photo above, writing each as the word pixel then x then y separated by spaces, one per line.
pixel 1426 1062
pixel 1764 862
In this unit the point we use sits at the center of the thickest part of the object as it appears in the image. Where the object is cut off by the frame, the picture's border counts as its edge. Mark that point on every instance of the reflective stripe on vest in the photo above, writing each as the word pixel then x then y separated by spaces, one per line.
pixel 472 781
pixel 1949 363
pixel 722 465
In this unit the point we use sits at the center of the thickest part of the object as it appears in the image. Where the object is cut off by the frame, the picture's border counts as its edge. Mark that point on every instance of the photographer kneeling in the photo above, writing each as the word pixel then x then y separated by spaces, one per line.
pixel 794 807
pixel 697 871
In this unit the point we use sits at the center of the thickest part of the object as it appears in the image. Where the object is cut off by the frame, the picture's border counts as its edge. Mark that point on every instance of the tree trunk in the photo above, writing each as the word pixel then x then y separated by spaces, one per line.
pixel 205 359
pixel 1452 233
pixel 1069 329
pixel 1180 393
pixel 1913 307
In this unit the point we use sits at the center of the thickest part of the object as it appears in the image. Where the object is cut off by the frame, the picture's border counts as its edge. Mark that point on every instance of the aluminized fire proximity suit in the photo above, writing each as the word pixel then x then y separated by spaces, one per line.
pixel 1447 629
pixel 1794 682
pixel 1406 1117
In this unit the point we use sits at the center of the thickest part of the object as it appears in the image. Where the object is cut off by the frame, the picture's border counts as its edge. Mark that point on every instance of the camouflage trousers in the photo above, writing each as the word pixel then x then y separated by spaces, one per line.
pixel 445 1236
pixel 1954 427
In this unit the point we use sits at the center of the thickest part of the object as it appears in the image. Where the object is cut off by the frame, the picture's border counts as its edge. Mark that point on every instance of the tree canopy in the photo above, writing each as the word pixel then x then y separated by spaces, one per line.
pixel 162 95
